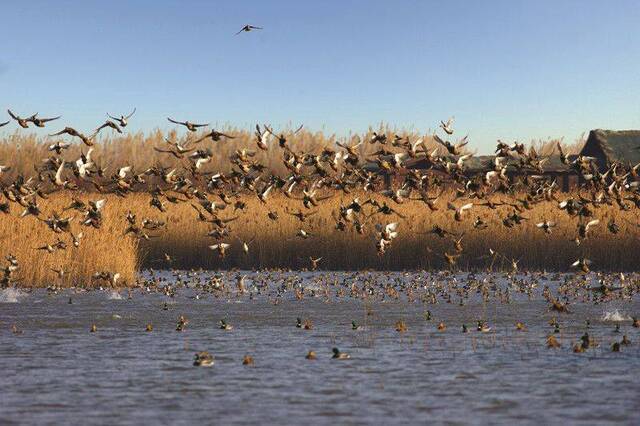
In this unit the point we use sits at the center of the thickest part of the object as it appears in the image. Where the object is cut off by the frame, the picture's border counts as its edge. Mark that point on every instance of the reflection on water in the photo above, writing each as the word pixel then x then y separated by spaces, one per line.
pixel 56 371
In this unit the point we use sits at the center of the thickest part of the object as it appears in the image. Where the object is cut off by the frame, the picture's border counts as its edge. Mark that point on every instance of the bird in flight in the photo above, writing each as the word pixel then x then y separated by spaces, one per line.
pixel 23 122
pixel 40 122
pixel 122 120
pixel 192 127
pixel 248 28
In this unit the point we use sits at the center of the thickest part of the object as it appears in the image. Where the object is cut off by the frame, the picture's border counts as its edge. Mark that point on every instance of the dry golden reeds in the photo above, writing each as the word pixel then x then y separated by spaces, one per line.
pixel 274 244
pixel 24 151
pixel 100 250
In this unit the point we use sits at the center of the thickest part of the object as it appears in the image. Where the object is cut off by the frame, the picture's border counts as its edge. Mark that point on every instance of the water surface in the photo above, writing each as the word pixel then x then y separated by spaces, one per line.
pixel 58 372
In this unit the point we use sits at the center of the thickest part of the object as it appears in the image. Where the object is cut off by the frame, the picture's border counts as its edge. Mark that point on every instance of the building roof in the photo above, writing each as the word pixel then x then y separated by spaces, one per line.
pixel 617 145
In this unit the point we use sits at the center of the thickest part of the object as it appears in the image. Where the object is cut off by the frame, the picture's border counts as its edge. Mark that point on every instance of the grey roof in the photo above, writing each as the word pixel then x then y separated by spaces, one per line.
pixel 617 145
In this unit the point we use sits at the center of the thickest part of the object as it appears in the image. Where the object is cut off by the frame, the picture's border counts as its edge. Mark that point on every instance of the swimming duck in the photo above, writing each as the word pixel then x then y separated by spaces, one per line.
pixel 247 360
pixel 340 355
pixel 587 341
pixel 520 326
pixel 625 340
pixel 311 355
pixel 15 329
pixel 558 306
pixel 182 323
pixel 552 342
pixel 306 324
pixel 636 322
pixel 401 327
pixel 355 326
pixel 556 328
pixel 464 328
pixel 93 328
pixel 225 326
pixel 578 348
pixel 483 327
pixel 442 326
pixel 203 359
pixel 149 327
pixel 615 347
pixel 427 316
pixel 617 329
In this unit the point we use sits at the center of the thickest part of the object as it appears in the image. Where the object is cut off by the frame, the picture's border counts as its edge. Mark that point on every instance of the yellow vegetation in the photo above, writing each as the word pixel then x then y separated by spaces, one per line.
pixel 275 244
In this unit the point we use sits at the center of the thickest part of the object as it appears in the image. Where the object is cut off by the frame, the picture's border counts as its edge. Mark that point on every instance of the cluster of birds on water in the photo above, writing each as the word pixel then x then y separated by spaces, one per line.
pixel 311 178
pixel 559 296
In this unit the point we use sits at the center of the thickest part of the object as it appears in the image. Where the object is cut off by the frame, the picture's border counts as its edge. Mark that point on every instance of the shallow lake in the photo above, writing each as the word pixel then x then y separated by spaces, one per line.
pixel 56 371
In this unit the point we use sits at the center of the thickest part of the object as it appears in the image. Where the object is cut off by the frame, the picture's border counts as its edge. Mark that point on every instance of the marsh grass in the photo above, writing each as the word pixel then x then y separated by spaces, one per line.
pixel 102 249
pixel 24 151
pixel 274 244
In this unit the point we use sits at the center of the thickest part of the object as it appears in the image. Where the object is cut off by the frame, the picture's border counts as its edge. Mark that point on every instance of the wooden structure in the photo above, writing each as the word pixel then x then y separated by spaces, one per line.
pixel 609 146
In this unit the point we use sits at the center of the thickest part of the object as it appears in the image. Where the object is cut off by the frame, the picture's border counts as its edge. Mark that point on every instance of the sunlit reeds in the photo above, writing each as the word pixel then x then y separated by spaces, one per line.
pixel 274 244
pixel 100 250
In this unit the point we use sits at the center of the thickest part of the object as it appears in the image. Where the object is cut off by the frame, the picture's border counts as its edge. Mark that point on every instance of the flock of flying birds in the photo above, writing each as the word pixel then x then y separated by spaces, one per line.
pixel 312 178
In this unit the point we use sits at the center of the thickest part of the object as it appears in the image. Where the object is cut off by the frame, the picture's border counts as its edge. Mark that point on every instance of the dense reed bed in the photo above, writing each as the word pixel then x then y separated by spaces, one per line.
pixel 183 241
pixel 24 151
pixel 100 250
pixel 275 244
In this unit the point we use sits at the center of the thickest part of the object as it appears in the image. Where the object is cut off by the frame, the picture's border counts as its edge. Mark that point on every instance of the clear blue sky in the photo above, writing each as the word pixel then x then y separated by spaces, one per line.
pixel 505 69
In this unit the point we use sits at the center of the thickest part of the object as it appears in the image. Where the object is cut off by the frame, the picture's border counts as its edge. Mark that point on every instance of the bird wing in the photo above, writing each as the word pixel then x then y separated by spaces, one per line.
pixel 122 172
pixel 100 204
pixel 439 140
pixel 392 227
pixel 167 151
pixel 184 123
pixel 59 180
pixel 592 223
pixel 61 132
pixel 466 207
